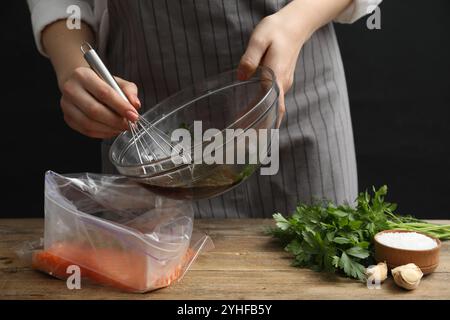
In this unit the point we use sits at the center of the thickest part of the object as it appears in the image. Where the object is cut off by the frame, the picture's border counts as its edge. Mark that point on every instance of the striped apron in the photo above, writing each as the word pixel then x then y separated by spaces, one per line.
pixel 166 45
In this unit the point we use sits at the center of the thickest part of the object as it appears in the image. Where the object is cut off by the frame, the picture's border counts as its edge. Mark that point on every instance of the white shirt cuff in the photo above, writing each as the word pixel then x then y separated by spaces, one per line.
pixel 45 12
pixel 356 10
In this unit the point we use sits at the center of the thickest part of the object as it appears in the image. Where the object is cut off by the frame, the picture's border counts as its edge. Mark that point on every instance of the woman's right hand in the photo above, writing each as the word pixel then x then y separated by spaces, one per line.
pixel 93 108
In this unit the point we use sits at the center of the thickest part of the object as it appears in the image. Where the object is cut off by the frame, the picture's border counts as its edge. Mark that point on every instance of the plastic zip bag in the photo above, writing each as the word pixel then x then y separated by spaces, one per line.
pixel 116 231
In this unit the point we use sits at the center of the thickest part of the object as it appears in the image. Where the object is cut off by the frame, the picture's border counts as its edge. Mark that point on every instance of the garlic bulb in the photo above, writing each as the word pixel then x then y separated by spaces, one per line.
pixel 407 276
pixel 377 273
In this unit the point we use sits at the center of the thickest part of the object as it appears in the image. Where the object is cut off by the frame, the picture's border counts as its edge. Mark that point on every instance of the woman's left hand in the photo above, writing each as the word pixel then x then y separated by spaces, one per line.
pixel 277 40
pixel 275 43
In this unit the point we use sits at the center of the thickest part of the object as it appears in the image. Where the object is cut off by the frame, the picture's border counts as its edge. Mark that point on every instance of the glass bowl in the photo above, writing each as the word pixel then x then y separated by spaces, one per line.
pixel 221 102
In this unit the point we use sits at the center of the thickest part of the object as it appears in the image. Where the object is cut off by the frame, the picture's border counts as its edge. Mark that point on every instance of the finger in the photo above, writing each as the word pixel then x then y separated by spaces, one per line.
pixel 275 59
pixel 252 56
pixel 95 110
pixel 79 122
pixel 105 94
pixel 131 91
pixel 281 108
pixel 283 70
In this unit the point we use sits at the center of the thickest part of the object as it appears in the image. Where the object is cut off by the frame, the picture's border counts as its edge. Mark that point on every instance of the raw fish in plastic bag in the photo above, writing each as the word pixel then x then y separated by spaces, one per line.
pixel 116 231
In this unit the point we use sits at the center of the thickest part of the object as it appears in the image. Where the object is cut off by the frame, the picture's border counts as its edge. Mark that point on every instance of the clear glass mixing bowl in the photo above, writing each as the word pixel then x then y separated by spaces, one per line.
pixel 220 102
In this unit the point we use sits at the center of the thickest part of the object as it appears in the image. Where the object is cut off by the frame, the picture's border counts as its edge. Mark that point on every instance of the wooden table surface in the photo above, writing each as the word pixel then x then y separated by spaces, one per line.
pixel 245 264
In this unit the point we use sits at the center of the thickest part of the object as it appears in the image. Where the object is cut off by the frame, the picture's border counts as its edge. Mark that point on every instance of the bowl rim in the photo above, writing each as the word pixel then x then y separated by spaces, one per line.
pixel 437 248
pixel 273 86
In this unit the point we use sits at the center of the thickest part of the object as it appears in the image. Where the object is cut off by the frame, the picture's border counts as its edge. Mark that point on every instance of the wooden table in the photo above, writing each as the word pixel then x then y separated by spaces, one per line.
pixel 245 264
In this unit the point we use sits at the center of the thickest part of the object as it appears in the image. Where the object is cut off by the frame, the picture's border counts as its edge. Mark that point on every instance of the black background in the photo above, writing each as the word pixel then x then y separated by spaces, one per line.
pixel 399 88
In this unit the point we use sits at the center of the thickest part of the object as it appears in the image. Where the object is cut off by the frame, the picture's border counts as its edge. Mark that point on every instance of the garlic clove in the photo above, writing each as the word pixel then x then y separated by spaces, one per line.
pixel 407 276
pixel 378 272
pixel 410 275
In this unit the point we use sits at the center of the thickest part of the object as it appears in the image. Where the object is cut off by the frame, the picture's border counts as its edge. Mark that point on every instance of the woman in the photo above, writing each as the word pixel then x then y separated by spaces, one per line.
pixel 184 41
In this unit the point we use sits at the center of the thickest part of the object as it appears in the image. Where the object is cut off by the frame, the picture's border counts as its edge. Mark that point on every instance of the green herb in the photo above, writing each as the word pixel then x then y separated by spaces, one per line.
pixel 246 172
pixel 339 238
pixel 184 125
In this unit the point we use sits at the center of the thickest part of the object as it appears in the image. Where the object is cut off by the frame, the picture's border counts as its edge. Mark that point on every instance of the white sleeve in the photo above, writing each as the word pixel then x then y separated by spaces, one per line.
pixel 45 12
pixel 356 10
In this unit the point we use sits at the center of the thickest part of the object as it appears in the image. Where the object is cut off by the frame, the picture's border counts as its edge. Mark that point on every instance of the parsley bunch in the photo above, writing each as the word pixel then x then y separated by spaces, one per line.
pixel 326 237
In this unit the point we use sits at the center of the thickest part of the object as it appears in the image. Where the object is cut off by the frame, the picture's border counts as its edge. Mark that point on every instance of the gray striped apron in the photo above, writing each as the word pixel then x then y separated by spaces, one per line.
pixel 166 45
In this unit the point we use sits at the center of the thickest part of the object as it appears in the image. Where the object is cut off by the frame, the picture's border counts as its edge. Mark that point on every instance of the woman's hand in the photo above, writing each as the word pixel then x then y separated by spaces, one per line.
pixel 93 108
pixel 277 40
pixel 90 106
pixel 273 45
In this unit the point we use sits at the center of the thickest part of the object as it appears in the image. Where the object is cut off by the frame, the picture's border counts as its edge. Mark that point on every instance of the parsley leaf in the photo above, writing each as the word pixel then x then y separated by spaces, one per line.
pixel 351 267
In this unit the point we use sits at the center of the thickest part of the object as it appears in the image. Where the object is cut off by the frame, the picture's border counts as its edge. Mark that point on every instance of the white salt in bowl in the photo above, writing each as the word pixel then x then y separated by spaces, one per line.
pixel 400 247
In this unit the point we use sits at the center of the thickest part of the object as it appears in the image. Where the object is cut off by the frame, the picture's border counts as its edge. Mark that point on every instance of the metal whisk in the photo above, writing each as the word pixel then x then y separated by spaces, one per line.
pixel 143 132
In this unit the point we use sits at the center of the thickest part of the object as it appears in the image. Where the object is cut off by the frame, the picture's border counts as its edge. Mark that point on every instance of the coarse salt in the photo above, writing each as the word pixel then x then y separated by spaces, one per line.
pixel 406 240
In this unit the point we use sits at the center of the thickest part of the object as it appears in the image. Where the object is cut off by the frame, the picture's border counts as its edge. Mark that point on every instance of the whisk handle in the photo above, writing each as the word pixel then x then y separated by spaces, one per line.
pixel 94 61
